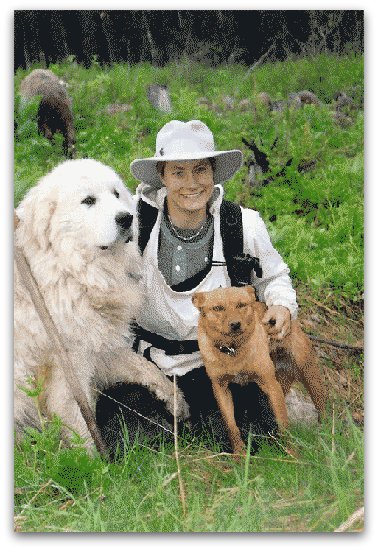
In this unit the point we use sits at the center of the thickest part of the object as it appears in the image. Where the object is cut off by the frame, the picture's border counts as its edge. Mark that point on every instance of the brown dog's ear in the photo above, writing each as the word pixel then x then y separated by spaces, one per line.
pixel 198 299
pixel 252 293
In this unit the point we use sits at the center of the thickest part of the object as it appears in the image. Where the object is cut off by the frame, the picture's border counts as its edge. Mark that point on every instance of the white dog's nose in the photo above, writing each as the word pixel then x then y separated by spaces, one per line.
pixel 124 220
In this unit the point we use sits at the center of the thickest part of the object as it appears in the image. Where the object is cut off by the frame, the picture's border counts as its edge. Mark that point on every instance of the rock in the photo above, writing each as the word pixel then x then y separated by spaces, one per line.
pixel 204 101
pixel 254 178
pixel 300 408
pixel 263 99
pixel 308 98
pixel 344 103
pixel 116 108
pixel 341 119
pixel 158 96
pixel 228 102
pixel 246 105
pixel 294 101
pixel 304 97
pixel 278 106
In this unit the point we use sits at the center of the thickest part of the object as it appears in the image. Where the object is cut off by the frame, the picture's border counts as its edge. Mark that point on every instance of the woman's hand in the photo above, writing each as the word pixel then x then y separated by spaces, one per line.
pixel 278 319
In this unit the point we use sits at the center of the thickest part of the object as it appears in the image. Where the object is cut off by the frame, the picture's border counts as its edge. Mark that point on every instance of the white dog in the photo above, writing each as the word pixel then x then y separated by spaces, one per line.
pixel 75 228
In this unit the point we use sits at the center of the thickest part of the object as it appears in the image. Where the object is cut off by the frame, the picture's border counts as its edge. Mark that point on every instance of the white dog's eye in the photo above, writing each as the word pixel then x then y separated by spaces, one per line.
pixel 116 194
pixel 90 200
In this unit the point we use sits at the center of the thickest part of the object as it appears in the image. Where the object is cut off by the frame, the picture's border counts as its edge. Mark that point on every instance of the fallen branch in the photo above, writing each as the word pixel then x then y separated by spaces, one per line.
pixel 331 311
pixel 357 515
pixel 259 61
pixel 334 343
pixel 175 431
pixel 251 457
pixel 31 286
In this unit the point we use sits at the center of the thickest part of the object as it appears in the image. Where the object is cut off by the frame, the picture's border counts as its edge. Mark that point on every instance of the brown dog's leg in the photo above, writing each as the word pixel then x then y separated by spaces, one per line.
pixel 285 376
pixel 277 400
pixel 311 378
pixel 226 406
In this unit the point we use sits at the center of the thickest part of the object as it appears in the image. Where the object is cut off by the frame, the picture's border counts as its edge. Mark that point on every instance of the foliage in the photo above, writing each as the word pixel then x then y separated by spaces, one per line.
pixel 315 218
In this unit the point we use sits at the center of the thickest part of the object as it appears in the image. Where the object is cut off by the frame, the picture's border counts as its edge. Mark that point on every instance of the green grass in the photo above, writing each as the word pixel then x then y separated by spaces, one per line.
pixel 60 489
pixel 316 222
pixel 317 217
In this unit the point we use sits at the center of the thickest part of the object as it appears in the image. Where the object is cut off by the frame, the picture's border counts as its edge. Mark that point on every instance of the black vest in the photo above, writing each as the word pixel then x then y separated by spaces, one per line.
pixel 239 265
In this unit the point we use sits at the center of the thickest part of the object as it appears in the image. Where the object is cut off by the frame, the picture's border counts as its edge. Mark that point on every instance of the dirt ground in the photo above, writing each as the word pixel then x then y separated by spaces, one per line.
pixel 343 368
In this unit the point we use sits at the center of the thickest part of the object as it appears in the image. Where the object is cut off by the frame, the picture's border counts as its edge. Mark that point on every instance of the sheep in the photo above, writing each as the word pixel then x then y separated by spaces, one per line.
pixel 54 111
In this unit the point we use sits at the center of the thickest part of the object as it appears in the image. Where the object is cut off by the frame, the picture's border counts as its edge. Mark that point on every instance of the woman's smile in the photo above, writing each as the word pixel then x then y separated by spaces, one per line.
pixel 190 185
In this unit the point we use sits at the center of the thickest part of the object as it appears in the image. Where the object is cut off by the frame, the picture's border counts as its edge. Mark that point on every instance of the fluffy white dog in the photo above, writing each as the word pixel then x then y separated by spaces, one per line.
pixel 75 229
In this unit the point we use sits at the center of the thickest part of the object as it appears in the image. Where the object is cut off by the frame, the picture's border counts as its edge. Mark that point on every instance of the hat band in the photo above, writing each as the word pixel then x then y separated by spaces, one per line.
pixel 184 147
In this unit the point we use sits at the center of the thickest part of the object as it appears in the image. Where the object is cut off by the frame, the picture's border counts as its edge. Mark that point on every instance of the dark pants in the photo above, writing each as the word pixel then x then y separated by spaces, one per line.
pixel 252 413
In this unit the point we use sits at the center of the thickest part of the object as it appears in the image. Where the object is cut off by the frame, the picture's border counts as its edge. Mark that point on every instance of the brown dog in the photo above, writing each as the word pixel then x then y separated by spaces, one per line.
pixel 235 348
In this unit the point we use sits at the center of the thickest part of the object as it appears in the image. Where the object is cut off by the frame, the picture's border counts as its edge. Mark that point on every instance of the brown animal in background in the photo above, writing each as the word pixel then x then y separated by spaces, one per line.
pixel 54 111
pixel 235 348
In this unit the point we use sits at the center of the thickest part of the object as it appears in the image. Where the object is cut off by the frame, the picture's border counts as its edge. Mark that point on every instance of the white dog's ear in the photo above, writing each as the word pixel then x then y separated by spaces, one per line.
pixel 35 213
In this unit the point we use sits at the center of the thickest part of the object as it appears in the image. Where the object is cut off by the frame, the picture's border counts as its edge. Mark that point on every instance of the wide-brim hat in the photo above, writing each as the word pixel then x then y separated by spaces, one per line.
pixel 186 141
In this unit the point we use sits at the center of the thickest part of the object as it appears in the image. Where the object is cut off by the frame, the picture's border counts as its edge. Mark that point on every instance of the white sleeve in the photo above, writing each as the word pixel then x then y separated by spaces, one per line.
pixel 275 287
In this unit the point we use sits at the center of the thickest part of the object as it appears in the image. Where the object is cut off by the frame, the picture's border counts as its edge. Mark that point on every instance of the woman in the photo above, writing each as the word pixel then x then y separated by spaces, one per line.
pixel 180 200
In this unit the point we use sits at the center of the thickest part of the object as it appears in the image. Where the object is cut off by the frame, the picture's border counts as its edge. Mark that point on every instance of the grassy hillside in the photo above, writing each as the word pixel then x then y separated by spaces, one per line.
pixel 314 213
pixel 315 217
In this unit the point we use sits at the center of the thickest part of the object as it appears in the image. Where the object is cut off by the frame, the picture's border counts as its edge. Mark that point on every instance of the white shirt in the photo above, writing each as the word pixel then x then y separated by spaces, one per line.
pixel 171 314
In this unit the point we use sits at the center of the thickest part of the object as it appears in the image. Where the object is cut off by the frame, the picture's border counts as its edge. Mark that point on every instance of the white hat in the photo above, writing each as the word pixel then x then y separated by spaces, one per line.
pixel 186 141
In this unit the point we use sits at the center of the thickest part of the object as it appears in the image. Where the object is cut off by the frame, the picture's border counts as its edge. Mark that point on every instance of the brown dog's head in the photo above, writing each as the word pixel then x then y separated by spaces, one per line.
pixel 227 311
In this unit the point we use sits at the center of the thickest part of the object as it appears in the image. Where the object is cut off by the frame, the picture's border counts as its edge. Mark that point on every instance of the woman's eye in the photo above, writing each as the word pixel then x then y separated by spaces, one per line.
pixel 178 174
pixel 240 305
pixel 219 308
pixel 90 201
pixel 116 194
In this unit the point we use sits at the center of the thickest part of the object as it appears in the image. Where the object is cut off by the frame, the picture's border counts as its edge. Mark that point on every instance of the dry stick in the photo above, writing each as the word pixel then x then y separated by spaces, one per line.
pixel 259 61
pixel 334 343
pixel 333 428
pixel 30 283
pixel 357 515
pixel 331 311
pixel 132 410
pixel 181 484
pixel 208 457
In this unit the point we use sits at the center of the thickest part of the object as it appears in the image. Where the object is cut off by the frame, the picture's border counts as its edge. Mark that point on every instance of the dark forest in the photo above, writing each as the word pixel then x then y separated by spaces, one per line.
pixel 159 37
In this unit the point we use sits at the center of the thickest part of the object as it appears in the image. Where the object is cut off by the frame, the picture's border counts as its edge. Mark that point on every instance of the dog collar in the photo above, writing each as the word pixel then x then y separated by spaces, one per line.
pixel 231 351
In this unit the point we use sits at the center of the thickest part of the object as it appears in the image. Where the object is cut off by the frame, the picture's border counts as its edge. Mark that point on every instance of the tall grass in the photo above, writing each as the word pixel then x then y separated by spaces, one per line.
pixel 61 489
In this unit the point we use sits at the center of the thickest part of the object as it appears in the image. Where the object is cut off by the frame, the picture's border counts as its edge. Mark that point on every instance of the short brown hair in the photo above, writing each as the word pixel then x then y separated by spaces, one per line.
pixel 161 164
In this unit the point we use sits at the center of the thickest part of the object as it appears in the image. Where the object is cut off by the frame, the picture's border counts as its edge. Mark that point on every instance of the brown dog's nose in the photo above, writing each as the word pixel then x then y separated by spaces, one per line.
pixel 235 326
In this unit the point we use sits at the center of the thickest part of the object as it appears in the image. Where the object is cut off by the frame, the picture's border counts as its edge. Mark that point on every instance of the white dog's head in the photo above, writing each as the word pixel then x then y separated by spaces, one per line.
pixel 81 203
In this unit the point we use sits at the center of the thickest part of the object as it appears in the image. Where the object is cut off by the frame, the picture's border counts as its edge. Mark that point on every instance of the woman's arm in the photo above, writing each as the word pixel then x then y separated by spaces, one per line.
pixel 275 287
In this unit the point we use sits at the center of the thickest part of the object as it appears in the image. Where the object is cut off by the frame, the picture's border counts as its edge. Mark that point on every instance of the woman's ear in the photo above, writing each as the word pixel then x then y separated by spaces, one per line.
pixel 160 170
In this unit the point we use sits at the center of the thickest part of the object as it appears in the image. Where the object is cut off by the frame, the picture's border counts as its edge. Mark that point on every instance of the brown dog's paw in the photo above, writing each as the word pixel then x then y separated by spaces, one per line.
pixel 239 452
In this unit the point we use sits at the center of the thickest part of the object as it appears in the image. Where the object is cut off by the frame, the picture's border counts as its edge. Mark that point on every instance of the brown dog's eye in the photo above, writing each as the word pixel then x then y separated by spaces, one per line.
pixel 219 308
pixel 90 201
pixel 240 305
pixel 116 194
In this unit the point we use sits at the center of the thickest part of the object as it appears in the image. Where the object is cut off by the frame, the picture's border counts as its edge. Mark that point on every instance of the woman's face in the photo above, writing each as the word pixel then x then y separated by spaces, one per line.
pixel 189 184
